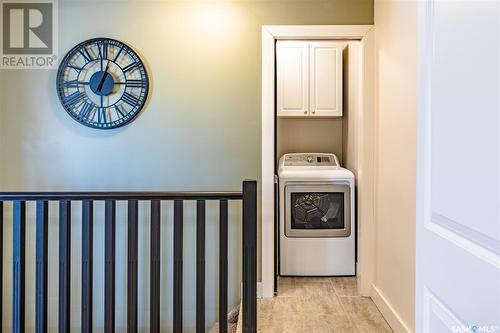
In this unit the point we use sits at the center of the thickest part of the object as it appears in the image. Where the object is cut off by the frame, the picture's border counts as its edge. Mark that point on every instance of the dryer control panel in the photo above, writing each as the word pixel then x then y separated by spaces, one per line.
pixel 311 160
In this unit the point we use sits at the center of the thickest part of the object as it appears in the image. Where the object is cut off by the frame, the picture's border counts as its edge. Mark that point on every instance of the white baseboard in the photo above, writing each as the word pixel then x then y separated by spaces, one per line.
pixel 259 289
pixel 391 316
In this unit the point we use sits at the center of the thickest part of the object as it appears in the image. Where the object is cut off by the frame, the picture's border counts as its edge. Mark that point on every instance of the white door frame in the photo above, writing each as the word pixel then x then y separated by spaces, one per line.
pixel 366 143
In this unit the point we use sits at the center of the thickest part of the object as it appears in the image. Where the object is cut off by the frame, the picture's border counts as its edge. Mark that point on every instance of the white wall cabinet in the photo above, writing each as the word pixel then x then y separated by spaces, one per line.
pixel 309 78
pixel 293 78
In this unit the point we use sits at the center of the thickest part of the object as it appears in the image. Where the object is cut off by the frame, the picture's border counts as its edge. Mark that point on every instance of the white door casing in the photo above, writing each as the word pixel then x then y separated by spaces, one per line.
pixel 458 171
pixel 365 181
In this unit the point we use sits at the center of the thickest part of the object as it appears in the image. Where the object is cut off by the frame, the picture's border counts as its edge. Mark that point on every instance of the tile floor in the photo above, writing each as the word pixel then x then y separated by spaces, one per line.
pixel 316 305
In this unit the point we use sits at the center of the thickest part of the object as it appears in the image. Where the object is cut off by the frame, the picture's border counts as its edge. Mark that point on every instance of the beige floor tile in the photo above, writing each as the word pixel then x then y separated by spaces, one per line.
pixel 304 286
pixel 315 305
pixel 296 314
pixel 337 323
pixel 310 279
pixel 345 286
pixel 365 314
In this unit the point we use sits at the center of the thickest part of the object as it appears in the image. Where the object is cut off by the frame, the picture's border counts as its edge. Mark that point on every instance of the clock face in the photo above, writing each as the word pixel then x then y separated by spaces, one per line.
pixel 102 83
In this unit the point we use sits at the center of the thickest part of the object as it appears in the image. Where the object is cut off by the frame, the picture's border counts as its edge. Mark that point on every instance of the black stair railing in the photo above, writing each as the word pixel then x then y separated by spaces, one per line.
pixel 248 195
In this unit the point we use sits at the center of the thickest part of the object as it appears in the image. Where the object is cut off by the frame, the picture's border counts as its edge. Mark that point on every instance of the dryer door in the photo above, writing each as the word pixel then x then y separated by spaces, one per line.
pixel 317 210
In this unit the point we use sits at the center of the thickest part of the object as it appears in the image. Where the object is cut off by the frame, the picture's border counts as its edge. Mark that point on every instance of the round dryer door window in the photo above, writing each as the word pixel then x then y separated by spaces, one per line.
pixel 315 210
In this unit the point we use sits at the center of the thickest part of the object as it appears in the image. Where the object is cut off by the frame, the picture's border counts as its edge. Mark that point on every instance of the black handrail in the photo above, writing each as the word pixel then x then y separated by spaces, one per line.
pixel 120 195
pixel 248 195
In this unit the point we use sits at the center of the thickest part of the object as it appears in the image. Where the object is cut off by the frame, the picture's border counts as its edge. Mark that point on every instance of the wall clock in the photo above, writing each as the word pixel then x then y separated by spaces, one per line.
pixel 102 83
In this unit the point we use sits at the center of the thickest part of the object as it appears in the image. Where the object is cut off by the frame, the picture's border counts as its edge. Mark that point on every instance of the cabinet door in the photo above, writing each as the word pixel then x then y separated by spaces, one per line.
pixel 326 78
pixel 292 61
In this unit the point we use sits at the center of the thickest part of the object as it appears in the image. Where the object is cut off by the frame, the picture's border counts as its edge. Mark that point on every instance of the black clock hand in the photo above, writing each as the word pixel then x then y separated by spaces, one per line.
pixel 99 87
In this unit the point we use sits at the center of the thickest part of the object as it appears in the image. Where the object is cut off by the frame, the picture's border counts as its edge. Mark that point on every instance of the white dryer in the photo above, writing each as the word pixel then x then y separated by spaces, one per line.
pixel 317 221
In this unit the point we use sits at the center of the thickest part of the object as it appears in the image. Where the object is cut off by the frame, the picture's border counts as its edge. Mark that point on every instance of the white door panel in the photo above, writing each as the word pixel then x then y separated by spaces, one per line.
pixel 458 222
pixel 292 78
pixel 326 78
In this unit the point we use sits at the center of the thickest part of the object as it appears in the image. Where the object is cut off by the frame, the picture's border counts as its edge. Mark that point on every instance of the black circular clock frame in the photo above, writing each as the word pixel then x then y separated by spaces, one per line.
pixel 102 83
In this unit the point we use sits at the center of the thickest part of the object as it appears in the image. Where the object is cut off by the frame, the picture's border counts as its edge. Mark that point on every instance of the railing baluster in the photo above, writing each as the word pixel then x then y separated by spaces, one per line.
pixel 65 200
pixel 64 264
pixel 19 242
pixel 1 264
pixel 249 257
pixel 178 218
pixel 223 266
pixel 200 266
pixel 87 264
pixel 109 254
pixel 132 266
pixel 42 218
pixel 155 267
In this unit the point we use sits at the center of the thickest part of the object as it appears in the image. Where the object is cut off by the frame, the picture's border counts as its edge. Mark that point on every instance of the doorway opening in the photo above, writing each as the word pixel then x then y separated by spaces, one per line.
pixel 360 129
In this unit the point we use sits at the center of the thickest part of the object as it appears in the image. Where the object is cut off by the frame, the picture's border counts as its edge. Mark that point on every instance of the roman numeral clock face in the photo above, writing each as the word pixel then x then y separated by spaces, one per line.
pixel 102 83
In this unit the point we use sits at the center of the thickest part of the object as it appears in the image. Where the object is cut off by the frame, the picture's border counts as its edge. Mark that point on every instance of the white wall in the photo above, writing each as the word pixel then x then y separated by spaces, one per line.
pixel 396 47
pixel 352 94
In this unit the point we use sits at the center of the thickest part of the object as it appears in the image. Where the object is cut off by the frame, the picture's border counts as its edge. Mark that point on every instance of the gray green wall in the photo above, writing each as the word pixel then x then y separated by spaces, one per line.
pixel 199 131
pixel 204 60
